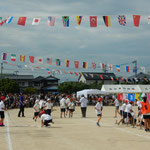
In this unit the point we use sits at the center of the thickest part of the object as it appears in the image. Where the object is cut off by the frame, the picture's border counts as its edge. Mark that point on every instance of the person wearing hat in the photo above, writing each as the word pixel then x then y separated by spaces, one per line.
pixel 45 119
pixel 49 106
pixel 36 108
pixel 99 108
pixel 2 109
pixel 145 110
pixel 83 102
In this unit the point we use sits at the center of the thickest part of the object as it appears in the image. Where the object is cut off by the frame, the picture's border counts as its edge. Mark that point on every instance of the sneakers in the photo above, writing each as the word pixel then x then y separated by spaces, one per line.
pixel 98 124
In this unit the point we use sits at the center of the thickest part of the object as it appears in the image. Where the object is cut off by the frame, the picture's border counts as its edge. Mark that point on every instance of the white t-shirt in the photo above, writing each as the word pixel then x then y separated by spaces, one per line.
pixel 37 107
pixel 98 106
pixel 71 105
pixel 42 103
pixel 83 102
pixel 123 107
pixel 139 104
pixel 128 108
pixel 2 106
pixel 46 117
pixel 67 101
pixel 133 115
pixel 116 102
pixel 62 103
pixel 49 105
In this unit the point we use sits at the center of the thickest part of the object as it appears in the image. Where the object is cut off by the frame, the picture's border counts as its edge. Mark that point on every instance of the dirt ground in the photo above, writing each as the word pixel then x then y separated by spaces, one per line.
pixel 71 133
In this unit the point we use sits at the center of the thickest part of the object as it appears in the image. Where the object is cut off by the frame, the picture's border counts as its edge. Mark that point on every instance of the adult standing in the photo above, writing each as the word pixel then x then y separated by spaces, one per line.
pixel 145 109
pixel 2 109
pixel 83 102
pixel 116 102
pixel 21 105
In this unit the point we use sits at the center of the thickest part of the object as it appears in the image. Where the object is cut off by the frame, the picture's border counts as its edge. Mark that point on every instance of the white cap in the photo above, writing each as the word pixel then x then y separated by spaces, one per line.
pixel 48 99
pixel 36 101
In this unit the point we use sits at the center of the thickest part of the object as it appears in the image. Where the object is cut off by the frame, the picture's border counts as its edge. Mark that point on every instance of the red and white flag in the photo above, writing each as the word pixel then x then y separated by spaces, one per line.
pixel 110 66
pixel 36 21
pixel 22 21
pixel 93 21
pixel 40 60
pixel 51 21
pixel 102 65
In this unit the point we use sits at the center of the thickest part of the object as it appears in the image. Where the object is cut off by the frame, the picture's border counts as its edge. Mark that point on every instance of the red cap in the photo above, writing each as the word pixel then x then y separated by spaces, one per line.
pixel 2 97
pixel 68 96
pixel 42 112
pixel 99 99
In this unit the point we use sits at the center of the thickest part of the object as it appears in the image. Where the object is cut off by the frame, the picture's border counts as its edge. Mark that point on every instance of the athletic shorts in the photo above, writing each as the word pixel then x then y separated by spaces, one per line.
pixel 67 108
pixel 71 110
pixel 146 116
pixel 36 114
pixel 124 115
pixel 63 109
pixel 99 115
pixel 2 115
pixel 121 112
pixel 117 107
pixel 129 115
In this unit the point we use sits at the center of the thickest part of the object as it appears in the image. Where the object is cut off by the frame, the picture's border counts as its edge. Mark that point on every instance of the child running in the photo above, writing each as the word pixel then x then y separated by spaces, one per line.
pixel 36 108
pixel 99 108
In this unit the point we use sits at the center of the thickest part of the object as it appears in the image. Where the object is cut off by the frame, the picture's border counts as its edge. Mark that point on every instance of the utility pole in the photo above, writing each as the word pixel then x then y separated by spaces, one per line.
pixel 2 70
pixel 135 64
pixel 105 69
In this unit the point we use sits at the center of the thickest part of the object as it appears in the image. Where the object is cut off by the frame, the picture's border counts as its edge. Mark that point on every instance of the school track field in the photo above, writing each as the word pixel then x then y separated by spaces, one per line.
pixel 71 134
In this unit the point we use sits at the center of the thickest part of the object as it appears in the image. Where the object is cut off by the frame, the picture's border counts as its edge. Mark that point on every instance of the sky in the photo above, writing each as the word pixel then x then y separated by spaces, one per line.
pixel 115 45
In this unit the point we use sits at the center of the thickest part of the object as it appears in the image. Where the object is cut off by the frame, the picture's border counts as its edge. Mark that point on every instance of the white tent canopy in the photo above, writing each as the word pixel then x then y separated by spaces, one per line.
pixel 126 88
pixel 87 92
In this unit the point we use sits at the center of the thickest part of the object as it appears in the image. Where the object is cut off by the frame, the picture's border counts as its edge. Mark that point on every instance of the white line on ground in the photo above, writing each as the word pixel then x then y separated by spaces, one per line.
pixel 8 134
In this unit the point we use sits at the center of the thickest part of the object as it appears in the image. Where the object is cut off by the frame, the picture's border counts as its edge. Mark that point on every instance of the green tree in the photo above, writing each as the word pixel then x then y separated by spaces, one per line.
pixel 30 90
pixel 71 87
pixel 9 86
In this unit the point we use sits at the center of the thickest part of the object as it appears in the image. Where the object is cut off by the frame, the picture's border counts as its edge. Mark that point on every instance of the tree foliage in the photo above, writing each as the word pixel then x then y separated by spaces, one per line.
pixel 9 86
pixel 30 90
pixel 72 87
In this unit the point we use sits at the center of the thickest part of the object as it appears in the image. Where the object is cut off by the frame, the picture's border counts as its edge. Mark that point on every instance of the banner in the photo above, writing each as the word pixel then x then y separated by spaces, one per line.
pixel 51 21
pixel 120 97
pixel 22 21
pixel 93 21
pixel 107 21
pixel 136 20
pixel 131 97
pixel 65 21
pixel 79 19
pixel 122 20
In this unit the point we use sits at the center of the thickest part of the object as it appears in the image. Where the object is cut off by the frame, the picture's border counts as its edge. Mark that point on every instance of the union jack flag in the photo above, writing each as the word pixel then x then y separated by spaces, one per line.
pixel 122 20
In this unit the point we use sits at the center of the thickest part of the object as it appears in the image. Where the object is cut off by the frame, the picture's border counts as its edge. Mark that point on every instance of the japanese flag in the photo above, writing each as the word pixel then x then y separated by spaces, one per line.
pixel 36 21
pixel 40 60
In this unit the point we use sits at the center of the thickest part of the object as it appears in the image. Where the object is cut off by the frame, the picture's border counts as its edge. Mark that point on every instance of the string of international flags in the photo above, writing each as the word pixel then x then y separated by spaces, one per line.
pixel 93 20
pixel 36 61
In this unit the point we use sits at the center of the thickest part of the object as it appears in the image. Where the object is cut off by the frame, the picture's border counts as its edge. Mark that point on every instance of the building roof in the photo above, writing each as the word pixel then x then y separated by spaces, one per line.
pixel 96 76
pixel 40 78
pixel 140 76
pixel 18 77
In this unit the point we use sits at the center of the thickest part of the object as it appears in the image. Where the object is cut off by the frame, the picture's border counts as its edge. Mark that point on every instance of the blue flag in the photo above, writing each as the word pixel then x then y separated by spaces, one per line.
pixel 131 97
